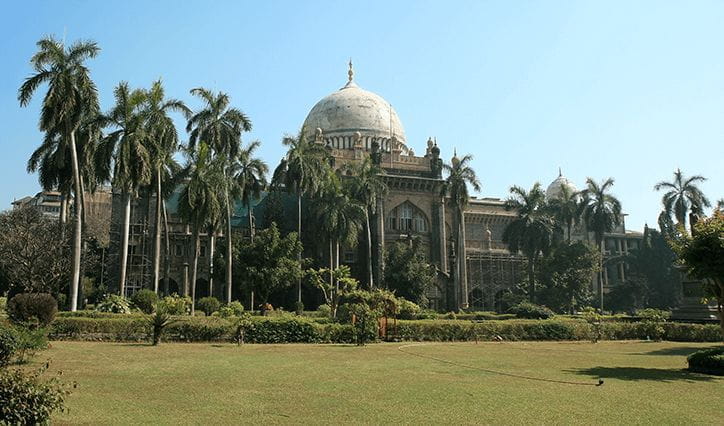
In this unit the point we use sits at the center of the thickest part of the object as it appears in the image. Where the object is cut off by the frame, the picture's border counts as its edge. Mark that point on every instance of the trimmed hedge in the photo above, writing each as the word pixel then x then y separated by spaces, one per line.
pixel 290 329
pixel 707 361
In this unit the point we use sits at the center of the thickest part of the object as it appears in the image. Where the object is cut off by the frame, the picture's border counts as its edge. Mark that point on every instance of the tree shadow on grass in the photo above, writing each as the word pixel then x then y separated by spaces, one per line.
pixel 678 350
pixel 640 373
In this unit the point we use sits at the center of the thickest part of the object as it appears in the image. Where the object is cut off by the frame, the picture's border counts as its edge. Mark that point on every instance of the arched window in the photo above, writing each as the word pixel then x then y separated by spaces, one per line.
pixel 405 218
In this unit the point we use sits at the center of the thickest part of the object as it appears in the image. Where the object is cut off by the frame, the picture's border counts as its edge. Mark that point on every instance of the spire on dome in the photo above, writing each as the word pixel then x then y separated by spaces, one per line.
pixel 350 73
pixel 560 173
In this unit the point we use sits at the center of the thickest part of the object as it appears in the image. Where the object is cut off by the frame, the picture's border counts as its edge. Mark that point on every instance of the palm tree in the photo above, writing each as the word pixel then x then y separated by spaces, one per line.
pixel 601 214
pixel 682 196
pixel 220 126
pixel 367 186
pixel 126 148
pixel 71 97
pixel 341 219
pixel 460 175
pixel 302 171
pixel 533 231
pixel 250 175
pixel 567 209
pixel 201 201
pixel 162 143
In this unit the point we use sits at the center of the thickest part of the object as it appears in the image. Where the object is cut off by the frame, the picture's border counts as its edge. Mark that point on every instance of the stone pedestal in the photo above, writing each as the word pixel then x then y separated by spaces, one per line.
pixel 691 308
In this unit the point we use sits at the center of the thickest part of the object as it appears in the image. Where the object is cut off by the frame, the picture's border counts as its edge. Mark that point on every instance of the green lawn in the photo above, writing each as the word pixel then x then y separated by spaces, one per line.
pixel 224 383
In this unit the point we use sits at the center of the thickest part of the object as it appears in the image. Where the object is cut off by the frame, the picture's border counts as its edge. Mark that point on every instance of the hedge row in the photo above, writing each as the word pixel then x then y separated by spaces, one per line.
pixel 202 329
pixel 425 330
pixel 303 330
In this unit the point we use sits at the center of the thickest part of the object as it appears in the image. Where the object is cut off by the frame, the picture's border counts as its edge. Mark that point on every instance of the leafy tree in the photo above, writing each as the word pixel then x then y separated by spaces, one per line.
pixel 459 176
pixel 683 196
pixel 126 148
pixel 601 213
pixel 533 231
pixel 566 276
pixel 702 255
pixel 220 126
pixel 201 201
pixel 162 143
pixel 32 254
pixel 332 293
pixel 269 263
pixel 71 97
pixel 303 171
pixel 367 185
pixel 408 274
pixel 652 268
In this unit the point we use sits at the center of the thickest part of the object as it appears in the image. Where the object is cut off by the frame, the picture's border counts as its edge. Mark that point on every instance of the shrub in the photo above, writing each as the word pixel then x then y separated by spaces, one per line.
pixel 299 308
pixel 208 305
pixel 531 311
pixel 707 361
pixel 3 303
pixel 408 310
pixel 28 308
pixel 144 300
pixel 427 314
pixel 8 345
pixel 158 322
pixel 595 320
pixel 233 309
pixel 29 341
pixel 176 305
pixel 325 311
pixel 27 399
pixel 115 304
pixel 653 320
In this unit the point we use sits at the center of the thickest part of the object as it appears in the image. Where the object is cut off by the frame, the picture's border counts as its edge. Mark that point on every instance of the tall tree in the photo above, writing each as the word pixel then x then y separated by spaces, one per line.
pixel 250 176
pixel 126 149
pixel 340 217
pixel 202 200
pixel 162 143
pixel 367 185
pixel 220 126
pixel 71 97
pixel 567 209
pixel 302 171
pixel 534 230
pixel 460 175
pixel 601 213
pixel 683 196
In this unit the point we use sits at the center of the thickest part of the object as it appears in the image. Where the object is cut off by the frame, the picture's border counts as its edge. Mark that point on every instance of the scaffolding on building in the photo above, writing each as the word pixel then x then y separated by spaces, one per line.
pixel 490 273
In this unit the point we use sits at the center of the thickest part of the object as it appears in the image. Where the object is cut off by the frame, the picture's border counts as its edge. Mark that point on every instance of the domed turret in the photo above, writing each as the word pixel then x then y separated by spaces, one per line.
pixel 555 189
pixel 352 111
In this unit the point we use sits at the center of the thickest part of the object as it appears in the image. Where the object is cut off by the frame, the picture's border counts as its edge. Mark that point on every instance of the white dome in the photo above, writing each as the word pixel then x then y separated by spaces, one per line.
pixel 351 109
pixel 555 189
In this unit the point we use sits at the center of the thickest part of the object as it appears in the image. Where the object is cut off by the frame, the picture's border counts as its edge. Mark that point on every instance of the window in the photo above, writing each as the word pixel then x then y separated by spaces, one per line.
pixel 406 217
pixel 349 256
pixel 202 251
pixel 179 250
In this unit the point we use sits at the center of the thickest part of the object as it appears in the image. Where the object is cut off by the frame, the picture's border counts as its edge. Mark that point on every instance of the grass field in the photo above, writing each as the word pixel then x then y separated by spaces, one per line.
pixel 224 383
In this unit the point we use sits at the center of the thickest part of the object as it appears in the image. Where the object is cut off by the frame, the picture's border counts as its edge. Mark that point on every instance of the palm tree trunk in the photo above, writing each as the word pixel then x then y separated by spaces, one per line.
pixel 124 243
pixel 251 224
pixel 531 277
pixel 331 263
pixel 462 261
pixel 212 249
pixel 336 263
pixel 157 233
pixel 600 272
pixel 167 254
pixel 369 248
pixel 63 219
pixel 194 269
pixel 299 235
pixel 228 248
pixel 78 237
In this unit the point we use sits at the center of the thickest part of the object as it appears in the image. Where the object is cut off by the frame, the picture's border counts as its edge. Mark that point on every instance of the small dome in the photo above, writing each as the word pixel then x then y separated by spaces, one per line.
pixel 352 110
pixel 555 189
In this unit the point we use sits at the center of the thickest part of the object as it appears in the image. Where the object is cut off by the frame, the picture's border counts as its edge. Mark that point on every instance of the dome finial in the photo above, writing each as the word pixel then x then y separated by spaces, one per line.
pixel 560 173
pixel 350 73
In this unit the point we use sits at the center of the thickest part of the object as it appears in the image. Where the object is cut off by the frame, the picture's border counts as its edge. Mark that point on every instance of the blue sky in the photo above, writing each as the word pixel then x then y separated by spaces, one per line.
pixel 630 90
